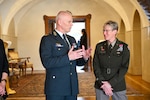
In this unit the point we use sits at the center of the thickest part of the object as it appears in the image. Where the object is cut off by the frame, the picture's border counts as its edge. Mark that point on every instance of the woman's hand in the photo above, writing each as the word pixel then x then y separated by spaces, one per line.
pixel 2 88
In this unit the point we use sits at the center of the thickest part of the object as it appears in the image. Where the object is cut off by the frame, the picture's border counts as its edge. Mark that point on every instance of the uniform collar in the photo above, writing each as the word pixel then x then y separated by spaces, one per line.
pixel 113 43
pixel 60 33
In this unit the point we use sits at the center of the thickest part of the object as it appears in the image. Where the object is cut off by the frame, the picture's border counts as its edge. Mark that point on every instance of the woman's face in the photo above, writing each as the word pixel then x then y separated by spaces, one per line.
pixel 109 33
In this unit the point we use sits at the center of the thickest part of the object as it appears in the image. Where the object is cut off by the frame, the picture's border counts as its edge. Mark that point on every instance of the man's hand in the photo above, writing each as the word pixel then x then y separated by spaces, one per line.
pixel 107 88
pixel 76 54
pixel 86 53
pixel 73 55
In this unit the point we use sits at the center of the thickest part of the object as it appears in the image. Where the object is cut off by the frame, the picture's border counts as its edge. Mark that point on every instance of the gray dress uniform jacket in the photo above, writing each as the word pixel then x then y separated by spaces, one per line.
pixel 111 66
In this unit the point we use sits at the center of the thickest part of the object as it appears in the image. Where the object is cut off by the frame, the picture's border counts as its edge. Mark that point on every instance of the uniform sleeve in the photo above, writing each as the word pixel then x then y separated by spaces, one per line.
pixel 5 67
pixel 96 67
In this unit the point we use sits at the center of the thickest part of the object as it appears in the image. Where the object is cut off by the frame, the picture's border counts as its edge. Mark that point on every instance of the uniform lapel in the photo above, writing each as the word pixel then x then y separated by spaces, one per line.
pixel 116 46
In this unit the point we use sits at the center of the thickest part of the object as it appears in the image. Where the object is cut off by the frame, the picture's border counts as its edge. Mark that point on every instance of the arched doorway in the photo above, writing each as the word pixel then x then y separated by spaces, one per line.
pixel 137 58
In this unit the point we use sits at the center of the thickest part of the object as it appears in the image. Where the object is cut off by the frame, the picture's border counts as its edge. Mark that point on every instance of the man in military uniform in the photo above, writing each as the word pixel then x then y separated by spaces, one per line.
pixel 60 56
pixel 110 64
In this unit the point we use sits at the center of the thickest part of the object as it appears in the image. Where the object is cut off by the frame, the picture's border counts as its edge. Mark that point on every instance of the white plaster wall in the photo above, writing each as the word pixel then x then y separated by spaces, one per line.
pixel 31 26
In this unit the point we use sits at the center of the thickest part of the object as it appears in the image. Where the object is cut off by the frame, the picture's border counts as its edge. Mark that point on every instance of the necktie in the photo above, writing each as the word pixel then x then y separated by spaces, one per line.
pixel 110 48
pixel 66 40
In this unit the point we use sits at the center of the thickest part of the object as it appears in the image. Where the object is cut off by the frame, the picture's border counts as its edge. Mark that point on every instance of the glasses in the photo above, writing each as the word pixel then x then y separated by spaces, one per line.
pixel 107 30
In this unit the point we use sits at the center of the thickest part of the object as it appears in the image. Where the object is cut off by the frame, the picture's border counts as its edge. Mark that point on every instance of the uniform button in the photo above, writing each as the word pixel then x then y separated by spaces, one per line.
pixel 97 79
pixel 54 76
pixel 70 63
pixel 70 73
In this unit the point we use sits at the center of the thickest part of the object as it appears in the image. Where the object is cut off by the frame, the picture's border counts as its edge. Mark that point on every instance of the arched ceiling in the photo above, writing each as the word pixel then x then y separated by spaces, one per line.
pixel 119 9
pixel 24 5
pixel 17 5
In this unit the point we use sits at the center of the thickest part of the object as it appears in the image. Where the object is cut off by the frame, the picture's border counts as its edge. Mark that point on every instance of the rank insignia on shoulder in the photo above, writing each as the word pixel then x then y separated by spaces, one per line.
pixel 54 33
pixel 128 48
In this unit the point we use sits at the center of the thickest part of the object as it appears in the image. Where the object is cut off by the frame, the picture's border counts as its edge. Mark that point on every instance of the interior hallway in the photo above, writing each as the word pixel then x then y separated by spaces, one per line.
pixel 134 81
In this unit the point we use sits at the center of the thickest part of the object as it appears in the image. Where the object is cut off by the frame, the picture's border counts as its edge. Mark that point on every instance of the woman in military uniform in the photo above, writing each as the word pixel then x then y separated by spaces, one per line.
pixel 110 64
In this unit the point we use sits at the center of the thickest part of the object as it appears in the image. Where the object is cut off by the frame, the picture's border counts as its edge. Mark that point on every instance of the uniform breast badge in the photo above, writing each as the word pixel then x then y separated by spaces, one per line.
pixel 102 50
pixel 120 47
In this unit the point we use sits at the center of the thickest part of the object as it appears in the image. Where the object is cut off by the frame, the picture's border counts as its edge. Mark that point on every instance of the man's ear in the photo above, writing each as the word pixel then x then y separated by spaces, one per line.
pixel 59 22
